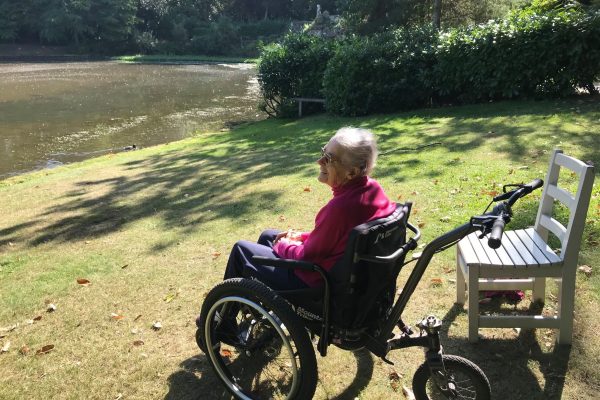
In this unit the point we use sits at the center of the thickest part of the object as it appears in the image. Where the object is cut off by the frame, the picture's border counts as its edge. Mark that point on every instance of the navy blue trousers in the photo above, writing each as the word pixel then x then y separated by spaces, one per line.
pixel 240 264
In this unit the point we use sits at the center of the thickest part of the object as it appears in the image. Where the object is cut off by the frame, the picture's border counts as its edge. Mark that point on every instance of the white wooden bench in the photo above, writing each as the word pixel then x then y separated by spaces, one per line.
pixel 301 100
pixel 524 259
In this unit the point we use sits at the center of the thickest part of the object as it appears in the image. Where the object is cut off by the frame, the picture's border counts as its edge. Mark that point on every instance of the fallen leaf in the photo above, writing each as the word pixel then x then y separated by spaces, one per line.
pixel 39 317
pixel 45 349
pixel 408 393
pixel 435 181
pixel 399 197
pixel 448 269
pixel 421 224
pixel 83 281
pixel 51 308
pixel 455 191
pixel 307 189
pixel 24 350
pixel 492 193
pixel 225 353
pixel 394 376
pixel 5 347
pixel 170 296
pixel 11 244
pixel 215 255
pixel 117 316
pixel 138 342
pixel 511 171
pixel 281 218
pixel 125 266
pixel 436 281
pixel 415 193
pixel 138 317
pixel 157 326
pixel 445 219
pixel 586 269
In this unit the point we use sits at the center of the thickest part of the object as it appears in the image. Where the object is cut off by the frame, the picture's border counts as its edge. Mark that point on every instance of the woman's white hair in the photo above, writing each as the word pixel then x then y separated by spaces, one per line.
pixel 358 147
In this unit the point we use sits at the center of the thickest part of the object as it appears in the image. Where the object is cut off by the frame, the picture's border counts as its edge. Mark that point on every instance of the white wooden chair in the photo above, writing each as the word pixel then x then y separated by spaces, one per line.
pixel 524 260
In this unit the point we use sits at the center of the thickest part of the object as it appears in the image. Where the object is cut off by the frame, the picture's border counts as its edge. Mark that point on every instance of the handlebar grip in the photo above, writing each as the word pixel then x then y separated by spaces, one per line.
pixel 496 235
pixel 534 184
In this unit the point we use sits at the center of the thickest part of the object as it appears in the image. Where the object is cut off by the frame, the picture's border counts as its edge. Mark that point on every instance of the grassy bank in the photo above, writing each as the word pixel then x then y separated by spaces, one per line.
pixel 151 231
pixel 164 58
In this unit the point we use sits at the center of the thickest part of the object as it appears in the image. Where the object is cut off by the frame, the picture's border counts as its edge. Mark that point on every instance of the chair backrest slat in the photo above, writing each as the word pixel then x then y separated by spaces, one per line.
pixel 554 226
pixel 571 163
pixel 563 196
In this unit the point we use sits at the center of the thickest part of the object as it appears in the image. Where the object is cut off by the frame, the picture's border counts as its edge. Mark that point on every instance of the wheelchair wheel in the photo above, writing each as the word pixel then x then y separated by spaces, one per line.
pixel 255 343
pixel 462 380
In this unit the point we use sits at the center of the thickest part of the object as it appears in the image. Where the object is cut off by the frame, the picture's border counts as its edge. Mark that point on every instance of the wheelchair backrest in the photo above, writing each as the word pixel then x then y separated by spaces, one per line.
pixel 363 291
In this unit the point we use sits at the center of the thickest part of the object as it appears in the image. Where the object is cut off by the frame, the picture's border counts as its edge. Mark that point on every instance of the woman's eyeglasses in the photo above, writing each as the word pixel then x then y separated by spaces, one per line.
pixel 327 156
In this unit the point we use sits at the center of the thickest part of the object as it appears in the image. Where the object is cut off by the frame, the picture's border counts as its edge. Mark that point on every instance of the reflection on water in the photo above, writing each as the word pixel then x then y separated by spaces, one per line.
pixel 56 113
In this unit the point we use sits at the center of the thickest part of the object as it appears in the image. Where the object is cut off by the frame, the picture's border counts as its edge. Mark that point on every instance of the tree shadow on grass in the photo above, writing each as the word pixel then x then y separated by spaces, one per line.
pixel 189 187
pixel 197 380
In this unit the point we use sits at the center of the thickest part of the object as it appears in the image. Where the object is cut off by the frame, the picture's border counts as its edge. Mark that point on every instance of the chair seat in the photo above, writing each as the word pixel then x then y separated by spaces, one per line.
pixel 523 253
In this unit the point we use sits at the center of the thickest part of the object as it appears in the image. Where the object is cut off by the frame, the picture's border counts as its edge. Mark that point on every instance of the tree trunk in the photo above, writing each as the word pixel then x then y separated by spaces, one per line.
pixel 437 14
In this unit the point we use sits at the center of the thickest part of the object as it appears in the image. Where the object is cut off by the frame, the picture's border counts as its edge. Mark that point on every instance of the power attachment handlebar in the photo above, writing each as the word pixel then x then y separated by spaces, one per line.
pixel 502 213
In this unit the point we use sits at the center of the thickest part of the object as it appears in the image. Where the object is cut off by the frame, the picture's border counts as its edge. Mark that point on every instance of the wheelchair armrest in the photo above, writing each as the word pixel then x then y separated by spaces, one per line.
pixel 286 263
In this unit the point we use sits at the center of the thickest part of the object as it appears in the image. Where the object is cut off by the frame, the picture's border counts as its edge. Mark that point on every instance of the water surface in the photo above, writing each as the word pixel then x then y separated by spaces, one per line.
pixel 57 113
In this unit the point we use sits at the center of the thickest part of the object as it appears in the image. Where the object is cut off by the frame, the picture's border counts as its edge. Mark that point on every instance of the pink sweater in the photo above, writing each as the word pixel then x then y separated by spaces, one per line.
pixel 353 204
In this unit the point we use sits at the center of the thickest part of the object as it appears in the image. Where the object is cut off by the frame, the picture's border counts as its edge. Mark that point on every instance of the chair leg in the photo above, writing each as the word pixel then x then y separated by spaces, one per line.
pixel 566 305
pixel 539 289
pixel 473 287
pixel 460 279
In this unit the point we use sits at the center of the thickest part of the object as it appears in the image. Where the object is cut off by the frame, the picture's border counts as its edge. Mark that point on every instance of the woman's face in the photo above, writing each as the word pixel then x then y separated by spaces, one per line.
pixel 332 172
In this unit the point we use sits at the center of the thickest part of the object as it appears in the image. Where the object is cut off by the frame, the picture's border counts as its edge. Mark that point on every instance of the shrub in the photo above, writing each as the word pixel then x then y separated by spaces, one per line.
pixel 527 55
pixel 293 68
pixel 381 73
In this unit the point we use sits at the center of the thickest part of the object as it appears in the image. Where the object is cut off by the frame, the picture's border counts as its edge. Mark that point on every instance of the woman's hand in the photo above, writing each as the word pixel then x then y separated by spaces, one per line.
pixel 289 236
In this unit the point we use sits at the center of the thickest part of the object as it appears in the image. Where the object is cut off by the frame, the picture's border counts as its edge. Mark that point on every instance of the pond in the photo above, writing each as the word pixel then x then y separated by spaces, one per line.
pixel 56 113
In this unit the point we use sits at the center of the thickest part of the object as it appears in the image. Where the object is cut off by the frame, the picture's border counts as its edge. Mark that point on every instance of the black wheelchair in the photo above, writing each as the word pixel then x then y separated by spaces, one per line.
pixel 258 340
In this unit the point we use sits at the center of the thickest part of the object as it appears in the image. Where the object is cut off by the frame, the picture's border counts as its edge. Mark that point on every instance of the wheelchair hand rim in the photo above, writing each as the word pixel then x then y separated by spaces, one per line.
pixel 217 363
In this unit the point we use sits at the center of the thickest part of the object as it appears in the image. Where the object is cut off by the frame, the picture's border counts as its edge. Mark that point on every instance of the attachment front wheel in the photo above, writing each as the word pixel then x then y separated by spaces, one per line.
pixel 462 379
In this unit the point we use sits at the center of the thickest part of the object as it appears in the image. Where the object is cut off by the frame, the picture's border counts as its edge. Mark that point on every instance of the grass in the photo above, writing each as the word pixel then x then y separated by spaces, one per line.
pixel 166 58
pixel 151 231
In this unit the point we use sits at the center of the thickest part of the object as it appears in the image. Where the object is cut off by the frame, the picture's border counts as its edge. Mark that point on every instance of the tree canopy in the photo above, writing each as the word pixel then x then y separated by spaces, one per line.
pixel 213 26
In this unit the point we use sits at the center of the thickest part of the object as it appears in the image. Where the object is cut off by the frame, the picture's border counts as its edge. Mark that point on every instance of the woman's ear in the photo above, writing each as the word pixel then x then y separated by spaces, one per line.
pixel 352 173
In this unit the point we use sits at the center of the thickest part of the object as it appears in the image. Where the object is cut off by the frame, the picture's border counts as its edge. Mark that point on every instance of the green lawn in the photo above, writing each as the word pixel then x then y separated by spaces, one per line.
pixel 151 230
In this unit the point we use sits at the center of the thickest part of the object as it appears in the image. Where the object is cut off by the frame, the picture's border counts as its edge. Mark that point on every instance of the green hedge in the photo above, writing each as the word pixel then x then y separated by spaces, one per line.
pixel 291 69
pixel 381 73
pixel 523 56
pixel 527 55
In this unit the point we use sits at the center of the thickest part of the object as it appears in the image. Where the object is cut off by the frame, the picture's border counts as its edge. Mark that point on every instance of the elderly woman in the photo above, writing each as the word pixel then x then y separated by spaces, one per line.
pixel 345 164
